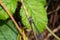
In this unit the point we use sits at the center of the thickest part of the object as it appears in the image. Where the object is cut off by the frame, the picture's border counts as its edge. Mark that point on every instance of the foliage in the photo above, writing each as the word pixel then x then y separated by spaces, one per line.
pixel 35 9
pixel 7 30
pixel 11 5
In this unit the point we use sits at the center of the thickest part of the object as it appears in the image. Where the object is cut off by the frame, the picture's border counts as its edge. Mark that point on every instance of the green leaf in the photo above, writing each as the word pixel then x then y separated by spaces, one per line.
pixel 8 31
pixel 19 37
pixel 38 13
pixel 11 5
pixel 43 2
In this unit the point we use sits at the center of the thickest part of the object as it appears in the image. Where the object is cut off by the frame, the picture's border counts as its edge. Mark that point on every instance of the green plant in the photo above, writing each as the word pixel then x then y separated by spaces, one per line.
pixel 35 9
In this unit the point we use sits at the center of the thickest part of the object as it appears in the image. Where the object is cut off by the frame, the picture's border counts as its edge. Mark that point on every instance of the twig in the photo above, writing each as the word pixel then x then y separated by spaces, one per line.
pixel 52 33
pixel 28 17
pixel 54 10
pixel 19 29
pixel 55 30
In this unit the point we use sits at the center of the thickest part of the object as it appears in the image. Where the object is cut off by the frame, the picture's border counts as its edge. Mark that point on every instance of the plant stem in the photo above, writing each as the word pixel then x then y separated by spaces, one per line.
pixel 12 18
pixel 52 33
pixel 55 30
pixel 28 17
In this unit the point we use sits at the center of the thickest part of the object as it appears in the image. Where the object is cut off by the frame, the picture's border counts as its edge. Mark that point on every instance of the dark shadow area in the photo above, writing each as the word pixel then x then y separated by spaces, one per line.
pixel 2 22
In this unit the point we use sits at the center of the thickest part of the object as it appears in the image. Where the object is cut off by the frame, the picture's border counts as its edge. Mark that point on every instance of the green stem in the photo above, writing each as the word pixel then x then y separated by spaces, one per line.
pixel 52 33
pixel 28 17
pixel 12 18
